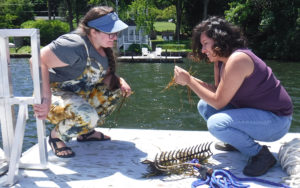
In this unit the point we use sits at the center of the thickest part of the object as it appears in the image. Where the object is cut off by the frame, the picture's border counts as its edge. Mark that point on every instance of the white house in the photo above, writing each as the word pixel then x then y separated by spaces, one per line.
pixel 132 36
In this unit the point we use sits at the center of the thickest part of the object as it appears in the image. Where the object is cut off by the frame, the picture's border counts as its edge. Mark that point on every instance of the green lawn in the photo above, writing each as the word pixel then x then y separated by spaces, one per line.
pixel 164 26
pixel 22 50
pixel 176 46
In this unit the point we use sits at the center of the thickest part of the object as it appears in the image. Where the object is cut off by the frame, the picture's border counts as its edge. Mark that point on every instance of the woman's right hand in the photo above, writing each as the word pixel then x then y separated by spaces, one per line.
pixel 181 76
pixel 41 110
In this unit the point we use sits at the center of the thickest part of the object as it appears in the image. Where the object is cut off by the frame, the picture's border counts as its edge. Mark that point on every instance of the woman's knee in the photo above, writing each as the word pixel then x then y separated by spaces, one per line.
pixel 87 115
pixel 202 108
pixel 218 122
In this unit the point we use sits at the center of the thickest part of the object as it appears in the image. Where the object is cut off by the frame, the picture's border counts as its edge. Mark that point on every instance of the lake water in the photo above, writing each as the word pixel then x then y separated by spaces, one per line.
pixel 152 106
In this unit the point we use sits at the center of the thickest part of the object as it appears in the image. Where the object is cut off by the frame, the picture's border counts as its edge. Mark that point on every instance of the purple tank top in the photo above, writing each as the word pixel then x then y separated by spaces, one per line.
pixel 262 90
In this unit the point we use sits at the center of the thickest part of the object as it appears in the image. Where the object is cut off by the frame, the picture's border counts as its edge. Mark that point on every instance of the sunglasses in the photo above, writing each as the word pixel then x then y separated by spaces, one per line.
pixel 112 35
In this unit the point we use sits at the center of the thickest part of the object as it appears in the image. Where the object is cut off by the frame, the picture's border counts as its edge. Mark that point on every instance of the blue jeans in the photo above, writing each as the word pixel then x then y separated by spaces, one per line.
pixel 242 127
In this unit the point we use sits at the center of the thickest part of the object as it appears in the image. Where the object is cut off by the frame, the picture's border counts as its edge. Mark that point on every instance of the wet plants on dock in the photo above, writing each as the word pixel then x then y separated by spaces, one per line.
pixel 178 161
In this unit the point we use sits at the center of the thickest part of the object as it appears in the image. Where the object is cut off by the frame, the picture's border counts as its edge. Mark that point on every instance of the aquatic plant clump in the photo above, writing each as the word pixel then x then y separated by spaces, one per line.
pixel 178 161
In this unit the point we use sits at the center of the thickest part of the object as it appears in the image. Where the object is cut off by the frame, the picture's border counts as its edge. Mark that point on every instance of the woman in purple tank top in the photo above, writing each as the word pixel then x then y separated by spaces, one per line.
pixel 247 103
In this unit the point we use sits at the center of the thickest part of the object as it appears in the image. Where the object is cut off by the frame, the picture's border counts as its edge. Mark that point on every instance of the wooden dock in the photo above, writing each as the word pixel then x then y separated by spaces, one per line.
pixel 150 59
pixel 117 163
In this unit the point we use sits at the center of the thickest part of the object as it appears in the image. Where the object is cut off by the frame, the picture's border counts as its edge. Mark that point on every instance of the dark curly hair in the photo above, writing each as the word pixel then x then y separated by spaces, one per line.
pixel 227 37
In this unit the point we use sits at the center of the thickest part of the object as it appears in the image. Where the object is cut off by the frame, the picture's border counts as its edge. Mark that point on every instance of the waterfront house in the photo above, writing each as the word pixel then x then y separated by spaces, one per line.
pixel 132 36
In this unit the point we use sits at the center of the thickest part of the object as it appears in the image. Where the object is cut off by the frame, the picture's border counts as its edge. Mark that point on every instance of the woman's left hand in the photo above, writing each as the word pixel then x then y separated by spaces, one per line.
pixel 125 88
pixel 181 76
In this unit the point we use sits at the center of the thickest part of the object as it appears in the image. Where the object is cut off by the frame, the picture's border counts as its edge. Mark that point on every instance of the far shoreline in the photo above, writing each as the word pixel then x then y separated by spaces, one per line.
pixel 182 54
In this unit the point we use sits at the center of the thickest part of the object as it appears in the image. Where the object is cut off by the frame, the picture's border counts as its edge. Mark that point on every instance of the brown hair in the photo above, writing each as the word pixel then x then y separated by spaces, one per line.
pixel 83 30
pixel 226 36
pixel 93 13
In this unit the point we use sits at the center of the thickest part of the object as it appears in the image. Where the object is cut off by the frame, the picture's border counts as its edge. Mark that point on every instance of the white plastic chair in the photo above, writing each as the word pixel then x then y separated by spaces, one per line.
pixel 158 51
pixel 145 52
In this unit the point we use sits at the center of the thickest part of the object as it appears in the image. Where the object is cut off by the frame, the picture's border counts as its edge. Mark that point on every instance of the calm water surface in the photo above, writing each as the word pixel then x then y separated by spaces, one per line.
pixel 152 106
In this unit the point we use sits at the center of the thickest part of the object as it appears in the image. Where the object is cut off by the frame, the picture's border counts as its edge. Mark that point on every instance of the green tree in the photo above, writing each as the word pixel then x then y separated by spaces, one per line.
pixel 14 12
pixel 166 13
pixel 246 15
pixel 69 14
pixel 39 7
pixel 80 8
pixel 178 15
pixel 49 29
pixel 195 11
pixel 179 12
pixel 270 25
pixel 143 12
pixel 120 6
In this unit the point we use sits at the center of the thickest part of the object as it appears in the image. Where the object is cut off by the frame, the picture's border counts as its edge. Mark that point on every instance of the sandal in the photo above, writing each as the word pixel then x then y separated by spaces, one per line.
pixel 85 137
pixel 52 142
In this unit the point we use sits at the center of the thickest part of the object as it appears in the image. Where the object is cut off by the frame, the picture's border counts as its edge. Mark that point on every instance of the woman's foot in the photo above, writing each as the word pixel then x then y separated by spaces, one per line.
pixel 260 163
pixel 59 147
pixel 93 136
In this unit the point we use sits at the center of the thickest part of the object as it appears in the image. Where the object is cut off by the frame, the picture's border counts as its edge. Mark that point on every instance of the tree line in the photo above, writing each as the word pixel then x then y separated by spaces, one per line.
pixel 271 26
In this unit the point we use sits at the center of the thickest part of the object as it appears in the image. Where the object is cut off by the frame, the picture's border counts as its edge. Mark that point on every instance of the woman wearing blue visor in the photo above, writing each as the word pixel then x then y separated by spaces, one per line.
pixel 80 87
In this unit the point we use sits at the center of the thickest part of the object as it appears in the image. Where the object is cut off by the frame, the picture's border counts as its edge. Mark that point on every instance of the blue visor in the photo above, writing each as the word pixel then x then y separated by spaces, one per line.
pixel 110 23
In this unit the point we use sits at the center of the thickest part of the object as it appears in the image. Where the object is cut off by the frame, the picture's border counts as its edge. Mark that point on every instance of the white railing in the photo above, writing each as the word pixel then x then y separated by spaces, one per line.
pixel 13 133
